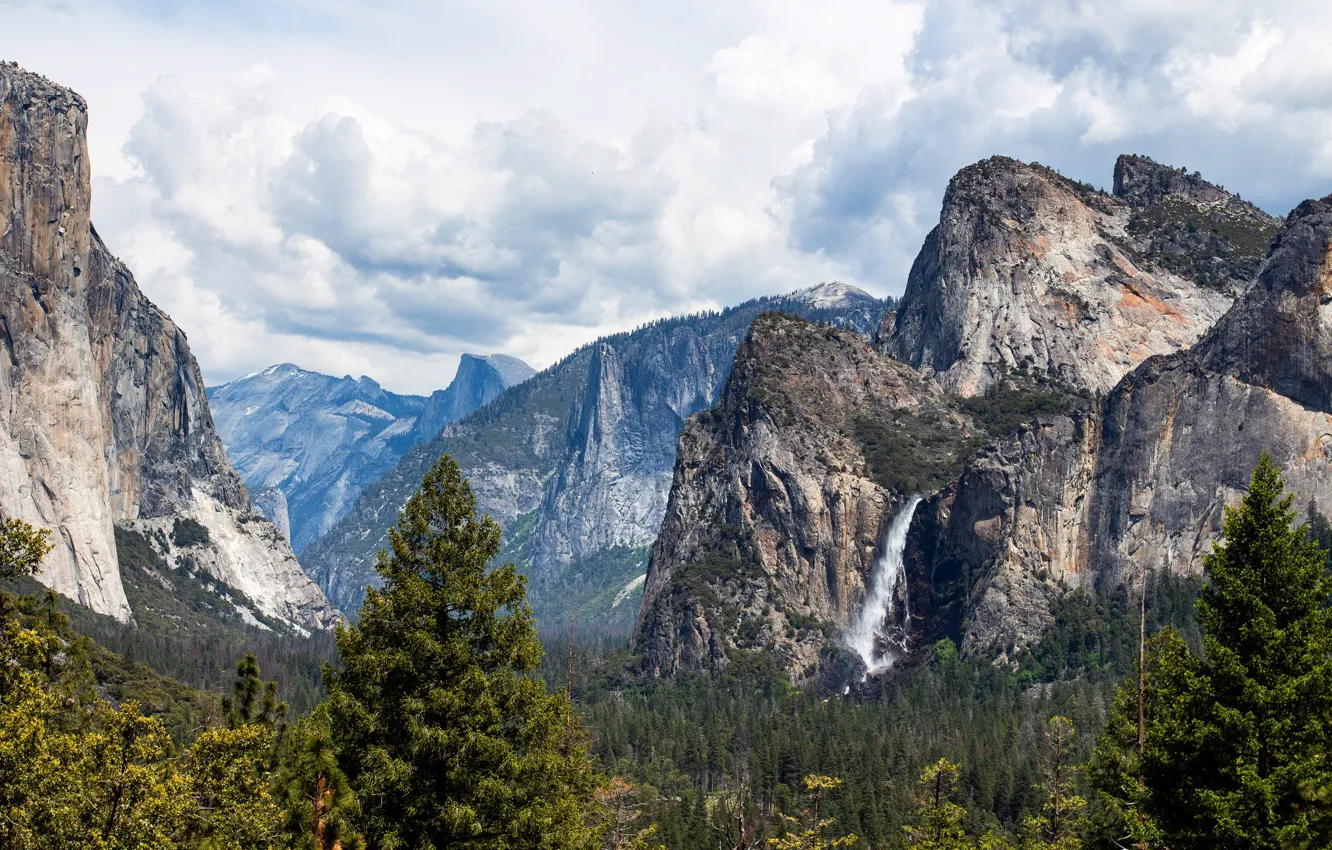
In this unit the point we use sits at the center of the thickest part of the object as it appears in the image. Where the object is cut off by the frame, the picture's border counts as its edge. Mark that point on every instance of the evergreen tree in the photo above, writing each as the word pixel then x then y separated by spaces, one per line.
pixel 1237 741
pixel 22 548
pixel 320 807
pixel 807 831
pixel 444 735
pixel 939 823
pixel 1058 825
pixel 253 700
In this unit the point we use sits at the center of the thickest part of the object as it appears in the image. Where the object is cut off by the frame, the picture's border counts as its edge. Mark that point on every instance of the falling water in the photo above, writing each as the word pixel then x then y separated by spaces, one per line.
pixel 863 636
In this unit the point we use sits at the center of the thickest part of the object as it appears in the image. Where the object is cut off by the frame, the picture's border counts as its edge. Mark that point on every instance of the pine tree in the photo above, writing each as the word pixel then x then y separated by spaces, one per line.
pixel 806 832
pixel 939 817
pixel 253 700
pixel 319 805
pixel 1238 740
pixel 1058 825
pixel 446 738
pixel 22 548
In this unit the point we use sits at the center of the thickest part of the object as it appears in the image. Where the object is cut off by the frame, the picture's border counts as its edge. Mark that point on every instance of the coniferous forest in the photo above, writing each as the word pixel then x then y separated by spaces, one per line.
pixel 442 721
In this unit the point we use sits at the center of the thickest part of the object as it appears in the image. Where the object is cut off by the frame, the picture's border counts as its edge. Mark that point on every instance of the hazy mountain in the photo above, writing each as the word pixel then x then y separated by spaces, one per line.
pixel 576 462
pixel 319 440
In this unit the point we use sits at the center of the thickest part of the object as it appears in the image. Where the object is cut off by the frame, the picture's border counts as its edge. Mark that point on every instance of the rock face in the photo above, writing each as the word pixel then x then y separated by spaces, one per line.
pixel 576 462
pixel 1086 495
pixel 1182 433
pixel 103 417
pixel 319 440
pixel 1140 482
pixel 777 509
pixel 1029 270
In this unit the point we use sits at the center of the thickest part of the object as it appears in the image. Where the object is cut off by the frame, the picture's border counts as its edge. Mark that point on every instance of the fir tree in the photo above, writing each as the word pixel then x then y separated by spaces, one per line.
pixel 444 735
pixel 1237 740
pixel 939 817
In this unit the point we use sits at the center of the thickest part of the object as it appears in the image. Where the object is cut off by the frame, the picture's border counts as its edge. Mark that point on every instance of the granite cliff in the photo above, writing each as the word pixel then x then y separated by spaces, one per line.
pixel 103 416
pixel 1028 269
pixel 781 495
pixel 318 440
pixel 576 462
pixel 1139 481
pixel 1097 402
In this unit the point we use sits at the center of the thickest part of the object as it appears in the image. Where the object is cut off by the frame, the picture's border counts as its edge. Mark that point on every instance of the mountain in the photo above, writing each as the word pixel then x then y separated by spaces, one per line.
pixel 840 507
pixel 104 423
pixel 780 493
pixel 318 440
pixel 576 462
pixel 1027 269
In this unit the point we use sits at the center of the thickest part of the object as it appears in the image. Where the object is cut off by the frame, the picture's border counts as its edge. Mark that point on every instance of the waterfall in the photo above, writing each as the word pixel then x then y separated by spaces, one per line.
pixel 864 636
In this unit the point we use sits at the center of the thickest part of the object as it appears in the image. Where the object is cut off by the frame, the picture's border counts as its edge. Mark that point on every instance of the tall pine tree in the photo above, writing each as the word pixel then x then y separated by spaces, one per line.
pixel 1237 741
pixel 445 738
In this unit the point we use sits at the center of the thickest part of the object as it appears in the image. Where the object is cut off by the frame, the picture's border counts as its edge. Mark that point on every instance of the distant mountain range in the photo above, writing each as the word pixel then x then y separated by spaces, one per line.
pixel 576 462
pixel 306 444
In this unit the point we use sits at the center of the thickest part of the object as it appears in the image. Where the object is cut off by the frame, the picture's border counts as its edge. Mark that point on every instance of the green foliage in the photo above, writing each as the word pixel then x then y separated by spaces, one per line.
pixel 320 808
pixel 1215 247
pixel 191 633
pixel 907 453
pixel 939 824
pixel 445 739
pixel 806 832
pixel 1058 825
pixel 255 701
pixel 1236 738
pixel 1320 530
pixel 116 787
pixel 187 532
pixel 231 787
pixel 1019 398
pixel 22 548
pixel 589 590
pixel 1097 634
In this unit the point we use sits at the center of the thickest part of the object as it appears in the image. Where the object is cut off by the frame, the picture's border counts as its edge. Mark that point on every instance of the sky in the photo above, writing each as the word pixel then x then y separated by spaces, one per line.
pixel 376 188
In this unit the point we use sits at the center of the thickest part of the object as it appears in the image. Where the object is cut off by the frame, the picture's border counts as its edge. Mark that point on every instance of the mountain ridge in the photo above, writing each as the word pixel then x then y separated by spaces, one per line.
pixel 574 463
pixel 319 440
pixel 1074 482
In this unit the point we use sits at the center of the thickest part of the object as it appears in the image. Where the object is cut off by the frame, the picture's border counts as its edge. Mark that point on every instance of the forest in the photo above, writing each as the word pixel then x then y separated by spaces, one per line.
pixel 1188 713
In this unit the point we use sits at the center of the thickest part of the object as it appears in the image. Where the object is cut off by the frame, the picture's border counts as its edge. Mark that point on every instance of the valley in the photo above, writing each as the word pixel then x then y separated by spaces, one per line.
pixel 705 567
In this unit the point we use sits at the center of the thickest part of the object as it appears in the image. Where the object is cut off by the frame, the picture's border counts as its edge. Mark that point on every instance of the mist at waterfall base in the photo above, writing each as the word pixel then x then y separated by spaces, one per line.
pixel 877 650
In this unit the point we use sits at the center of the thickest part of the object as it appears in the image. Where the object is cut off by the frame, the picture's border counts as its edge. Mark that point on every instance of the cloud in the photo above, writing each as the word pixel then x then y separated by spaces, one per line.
pixel 1236 90
pixel 376 190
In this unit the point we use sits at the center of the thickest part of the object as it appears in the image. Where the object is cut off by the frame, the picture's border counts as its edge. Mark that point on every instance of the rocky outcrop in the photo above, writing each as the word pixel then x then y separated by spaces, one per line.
pixel 1028 270
pixel 272 503
pixel 1182 433
pixel 1030 287
pixel 1180 222
pixel 781 494
pixel 320 440
pixel 992 550
pixel 103 417
pixel 576 463
pixel 1141 482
